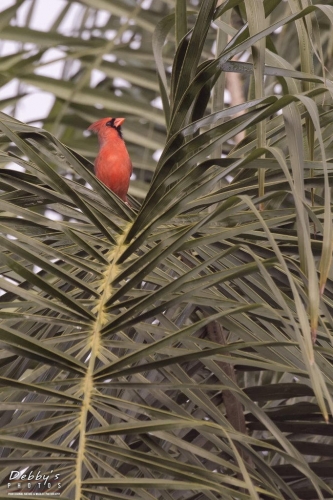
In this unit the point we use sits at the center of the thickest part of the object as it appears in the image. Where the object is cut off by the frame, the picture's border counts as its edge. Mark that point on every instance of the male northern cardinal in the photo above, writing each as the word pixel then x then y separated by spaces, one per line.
pixel 113 165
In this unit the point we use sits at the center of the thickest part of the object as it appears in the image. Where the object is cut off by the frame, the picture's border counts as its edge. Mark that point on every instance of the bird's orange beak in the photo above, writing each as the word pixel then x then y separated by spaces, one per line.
pixel 119 121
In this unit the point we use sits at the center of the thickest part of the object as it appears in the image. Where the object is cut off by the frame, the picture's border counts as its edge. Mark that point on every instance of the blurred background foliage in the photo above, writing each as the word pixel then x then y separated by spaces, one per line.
pixel 66 65
pixel 96 59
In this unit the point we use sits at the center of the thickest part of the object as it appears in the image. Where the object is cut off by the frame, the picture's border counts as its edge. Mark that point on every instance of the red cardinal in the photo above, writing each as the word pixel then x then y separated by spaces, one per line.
pixel 113 165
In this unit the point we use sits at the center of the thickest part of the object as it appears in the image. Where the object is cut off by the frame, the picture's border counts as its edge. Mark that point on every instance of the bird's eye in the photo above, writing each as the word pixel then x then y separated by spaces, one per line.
pixel 110 123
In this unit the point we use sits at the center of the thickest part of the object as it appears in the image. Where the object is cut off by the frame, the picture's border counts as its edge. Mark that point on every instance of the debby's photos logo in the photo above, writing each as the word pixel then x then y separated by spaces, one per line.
pixel 34 483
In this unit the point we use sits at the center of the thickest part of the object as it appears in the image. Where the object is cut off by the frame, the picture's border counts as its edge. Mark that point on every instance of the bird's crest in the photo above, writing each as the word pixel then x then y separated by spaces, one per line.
pixel 115 123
